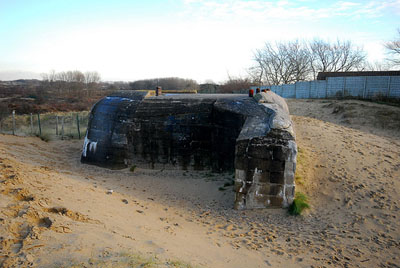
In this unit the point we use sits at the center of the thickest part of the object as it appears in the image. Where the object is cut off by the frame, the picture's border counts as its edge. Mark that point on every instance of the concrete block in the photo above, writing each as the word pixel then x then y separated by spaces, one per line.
pixel 276 201
pixel 261 201
pixel 241 162
pixel 277 166
pixel 238 185
pixel 279 153
pixel 265 177
pixel 276 189
pixel 277 177
pixel 240 175
pixel 263 189
pixel 259 164
pixel 289 191
pixel 260 151
pixel 289 177
pixel 241 147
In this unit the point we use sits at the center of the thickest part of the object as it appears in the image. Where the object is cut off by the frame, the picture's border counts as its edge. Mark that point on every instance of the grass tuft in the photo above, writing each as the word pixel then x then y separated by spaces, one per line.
pixel 132 169
pixel 299 180
pixel 44 137
pixel 299 204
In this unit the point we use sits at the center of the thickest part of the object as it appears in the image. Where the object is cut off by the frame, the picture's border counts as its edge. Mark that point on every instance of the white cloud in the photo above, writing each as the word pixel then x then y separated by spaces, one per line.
pixel 292 10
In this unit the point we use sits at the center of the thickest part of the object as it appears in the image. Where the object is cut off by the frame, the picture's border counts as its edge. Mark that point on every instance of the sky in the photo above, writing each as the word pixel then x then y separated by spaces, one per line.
pixel 127 40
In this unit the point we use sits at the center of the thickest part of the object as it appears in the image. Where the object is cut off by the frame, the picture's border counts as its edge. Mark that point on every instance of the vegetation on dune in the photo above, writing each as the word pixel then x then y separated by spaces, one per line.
pixel 132 168
pixel 299 204
pixel 44 137
pixel 126 260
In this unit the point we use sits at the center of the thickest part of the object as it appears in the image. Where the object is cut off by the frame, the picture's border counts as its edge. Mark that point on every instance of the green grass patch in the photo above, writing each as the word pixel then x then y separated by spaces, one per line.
pixel 299 204
pixel 132 168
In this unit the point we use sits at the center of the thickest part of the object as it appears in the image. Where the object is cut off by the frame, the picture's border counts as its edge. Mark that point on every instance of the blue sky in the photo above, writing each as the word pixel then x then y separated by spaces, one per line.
pixel 129 40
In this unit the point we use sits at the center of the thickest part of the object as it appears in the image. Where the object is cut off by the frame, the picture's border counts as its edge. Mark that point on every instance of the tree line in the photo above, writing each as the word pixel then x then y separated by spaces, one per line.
pixel 78 77
pixel 169 83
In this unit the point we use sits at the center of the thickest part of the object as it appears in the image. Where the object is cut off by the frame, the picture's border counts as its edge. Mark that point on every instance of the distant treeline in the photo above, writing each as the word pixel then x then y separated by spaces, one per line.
pixel 169 83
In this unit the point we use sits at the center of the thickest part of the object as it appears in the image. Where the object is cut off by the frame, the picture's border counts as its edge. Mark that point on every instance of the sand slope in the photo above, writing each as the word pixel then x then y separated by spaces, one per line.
pixel 54 210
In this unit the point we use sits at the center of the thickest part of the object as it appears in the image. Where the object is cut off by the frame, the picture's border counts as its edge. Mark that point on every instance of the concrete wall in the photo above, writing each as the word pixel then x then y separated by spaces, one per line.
pixel 365 87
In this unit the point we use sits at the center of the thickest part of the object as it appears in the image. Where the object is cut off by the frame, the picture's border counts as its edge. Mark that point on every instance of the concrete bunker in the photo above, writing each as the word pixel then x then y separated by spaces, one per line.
pixel 223 132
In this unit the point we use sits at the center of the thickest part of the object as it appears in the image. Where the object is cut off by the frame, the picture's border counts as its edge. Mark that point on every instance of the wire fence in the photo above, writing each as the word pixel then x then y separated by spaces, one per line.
pixel 364 87
pixel 48 126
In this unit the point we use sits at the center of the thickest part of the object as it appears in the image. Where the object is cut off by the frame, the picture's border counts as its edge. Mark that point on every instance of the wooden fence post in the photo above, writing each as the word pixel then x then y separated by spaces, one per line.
pixel 56 125
pixel 77 123
pixel 13 122
pixel 40 127
pixel 72 125
pixel 31 124
pixel 62 127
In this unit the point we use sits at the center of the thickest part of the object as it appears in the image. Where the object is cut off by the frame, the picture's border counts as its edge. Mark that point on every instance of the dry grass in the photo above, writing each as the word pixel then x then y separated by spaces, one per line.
pixel 127 260
pixel 48 123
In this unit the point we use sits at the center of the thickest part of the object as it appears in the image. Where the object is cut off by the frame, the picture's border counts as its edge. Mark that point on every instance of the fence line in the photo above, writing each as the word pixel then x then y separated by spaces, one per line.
pixel 365 87
pixel 46 125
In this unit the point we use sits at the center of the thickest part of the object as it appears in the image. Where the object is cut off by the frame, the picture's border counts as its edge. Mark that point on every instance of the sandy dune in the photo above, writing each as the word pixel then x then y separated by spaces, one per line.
pixel 55 211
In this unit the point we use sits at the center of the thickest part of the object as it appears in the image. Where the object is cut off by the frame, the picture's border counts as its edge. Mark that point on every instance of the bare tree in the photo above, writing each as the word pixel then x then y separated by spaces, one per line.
pixel 393 50
pixel 376 66
pixel 341 56
pixel 255 73
pixel 281 63
pixel 91 77
pixel 52 76
pixel 45 77
pixel 49 77
pixel 292 61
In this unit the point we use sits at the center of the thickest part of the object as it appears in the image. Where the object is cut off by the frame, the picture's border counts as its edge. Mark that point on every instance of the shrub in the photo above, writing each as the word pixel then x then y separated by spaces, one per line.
pixel 299 204
pixel 132 169
pixel 44 137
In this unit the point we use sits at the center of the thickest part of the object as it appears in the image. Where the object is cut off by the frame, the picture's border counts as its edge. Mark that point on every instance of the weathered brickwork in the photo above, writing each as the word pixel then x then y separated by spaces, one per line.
pixel 265 171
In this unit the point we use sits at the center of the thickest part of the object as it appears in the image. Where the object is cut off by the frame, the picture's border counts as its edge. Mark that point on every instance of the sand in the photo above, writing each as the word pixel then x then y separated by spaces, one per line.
pixel 55 211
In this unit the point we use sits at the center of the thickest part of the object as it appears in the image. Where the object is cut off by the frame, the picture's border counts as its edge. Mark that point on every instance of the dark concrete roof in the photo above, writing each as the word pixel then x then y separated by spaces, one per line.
pixel 201 96
pixel 324 75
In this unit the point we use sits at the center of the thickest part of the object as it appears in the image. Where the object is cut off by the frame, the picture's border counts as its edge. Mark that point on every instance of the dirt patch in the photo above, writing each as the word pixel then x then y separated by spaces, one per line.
pixel 369 117
pixel 76 216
